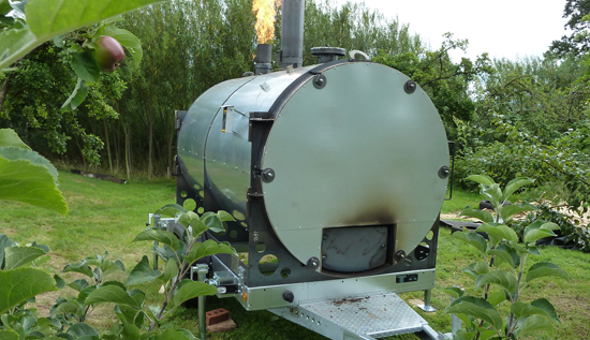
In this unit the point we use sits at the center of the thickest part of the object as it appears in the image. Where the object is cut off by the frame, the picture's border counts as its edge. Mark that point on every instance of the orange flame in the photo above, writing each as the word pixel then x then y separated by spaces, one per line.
pixel 265 11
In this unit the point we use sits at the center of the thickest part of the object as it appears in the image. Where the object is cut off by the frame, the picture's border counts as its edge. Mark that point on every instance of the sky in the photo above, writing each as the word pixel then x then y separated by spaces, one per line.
pixel 509 29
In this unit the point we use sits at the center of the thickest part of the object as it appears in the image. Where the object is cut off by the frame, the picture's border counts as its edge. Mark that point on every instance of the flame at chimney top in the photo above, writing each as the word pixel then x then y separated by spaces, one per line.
pixel 265 11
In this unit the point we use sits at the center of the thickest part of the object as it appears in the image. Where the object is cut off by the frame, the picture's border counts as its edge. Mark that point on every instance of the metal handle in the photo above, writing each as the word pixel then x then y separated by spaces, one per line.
pixel 353 53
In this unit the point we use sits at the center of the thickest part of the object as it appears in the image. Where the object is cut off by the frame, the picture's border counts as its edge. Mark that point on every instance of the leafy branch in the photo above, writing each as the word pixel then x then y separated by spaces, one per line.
pixel 480 315
pixel 46 19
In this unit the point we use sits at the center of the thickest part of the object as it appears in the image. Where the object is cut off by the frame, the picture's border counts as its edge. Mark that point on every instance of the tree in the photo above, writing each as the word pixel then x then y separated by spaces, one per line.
pixel 576 11
pixel 447 83
pixel 190 46
pixel 354 27
pixel 542 94
pixel 32 88
pixel 35 93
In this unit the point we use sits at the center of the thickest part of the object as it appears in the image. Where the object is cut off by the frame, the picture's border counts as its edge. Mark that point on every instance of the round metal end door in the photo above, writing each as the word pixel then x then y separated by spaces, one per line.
pixel 357 146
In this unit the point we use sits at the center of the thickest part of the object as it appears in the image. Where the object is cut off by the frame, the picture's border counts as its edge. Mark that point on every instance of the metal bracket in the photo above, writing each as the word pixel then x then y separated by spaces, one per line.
pixel 227 123
pixel 178 118
pixel 259 117
pixel 452 152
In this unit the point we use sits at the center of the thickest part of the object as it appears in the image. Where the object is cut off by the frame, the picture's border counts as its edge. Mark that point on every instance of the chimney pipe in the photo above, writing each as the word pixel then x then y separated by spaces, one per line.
pixel 292 33
pixel 263 58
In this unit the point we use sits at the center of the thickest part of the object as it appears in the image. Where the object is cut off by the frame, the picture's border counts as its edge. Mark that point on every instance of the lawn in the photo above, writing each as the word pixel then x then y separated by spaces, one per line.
pixel 105 217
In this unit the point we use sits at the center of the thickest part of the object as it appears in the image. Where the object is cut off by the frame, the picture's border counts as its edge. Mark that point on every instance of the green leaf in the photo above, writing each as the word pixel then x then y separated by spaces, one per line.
pixel 94 260
pixel 142 272
pixel 59 282
pixel 76 97
pixel 130 331
pixel 538 230
pixel 482 215
pixel 160 236
pixel 166 253
pixel 474 239
pixel 500 278
pixel 477 269
pixel 49 322
pixel 81 329
pixel 497 298
pixel 20 256
pixel 50 18
pixel 80 267
pixel 23 181
pixel 40 246
pixel 5 7
pixel 501 256
pixel 8 335
pixel 531 324
pixel 5 242
pixel 546 306
pixel 477 307
pixel 171 334
pixel 15 44
pixel 129 314
pixel 516 184
pixel 171 210
pixel 207 248
pixel 537 234
pixel 169 271
pixel 108 267
pixel 20 284
pixel 78 285
pixel 497 233
pixel 481 179
pixel 463 334
pixel 14 154
pixel 522 310
pixel 186 333
pixel 454 291
pixel 191 219
pixel 112 294
pixel 71 307
pixel 224 216
pixel 19 7
pixel 494 194
pixel 85 66
pixel 138 295
pixel 213 222
pixel 509 210
pixel 128 40
pixel 543 269
pixel 9 138
pixel 190 290
pixel 85 292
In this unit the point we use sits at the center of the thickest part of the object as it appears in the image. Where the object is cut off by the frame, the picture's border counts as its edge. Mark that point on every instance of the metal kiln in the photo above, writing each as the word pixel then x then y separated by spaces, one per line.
pixel 335 173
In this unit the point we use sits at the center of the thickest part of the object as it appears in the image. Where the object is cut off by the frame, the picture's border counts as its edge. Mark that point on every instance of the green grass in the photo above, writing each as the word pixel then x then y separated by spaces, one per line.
pixel 103 217
pixel 106 216
pixel 460 200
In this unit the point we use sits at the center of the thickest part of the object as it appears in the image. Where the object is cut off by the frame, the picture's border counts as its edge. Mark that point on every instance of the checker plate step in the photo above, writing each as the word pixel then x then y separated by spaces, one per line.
pixel 366 317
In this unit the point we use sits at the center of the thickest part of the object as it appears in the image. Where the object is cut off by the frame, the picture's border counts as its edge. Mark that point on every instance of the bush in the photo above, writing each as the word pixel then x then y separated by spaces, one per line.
pixel 575 235
pixel 513 152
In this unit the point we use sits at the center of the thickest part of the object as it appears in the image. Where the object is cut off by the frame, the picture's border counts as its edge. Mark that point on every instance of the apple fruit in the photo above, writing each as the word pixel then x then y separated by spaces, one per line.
pixel 108 53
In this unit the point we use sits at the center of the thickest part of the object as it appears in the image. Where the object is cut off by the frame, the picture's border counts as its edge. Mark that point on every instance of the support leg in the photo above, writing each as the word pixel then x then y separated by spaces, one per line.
pixel 427 307
pixel 202 270
pixel 155 219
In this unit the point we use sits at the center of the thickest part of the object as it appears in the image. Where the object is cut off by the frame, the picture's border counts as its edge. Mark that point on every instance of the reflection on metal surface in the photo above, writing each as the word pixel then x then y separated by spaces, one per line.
pixel 354 249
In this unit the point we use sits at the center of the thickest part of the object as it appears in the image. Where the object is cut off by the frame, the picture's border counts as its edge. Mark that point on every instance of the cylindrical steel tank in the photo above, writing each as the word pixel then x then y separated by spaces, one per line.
pixel 353 147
